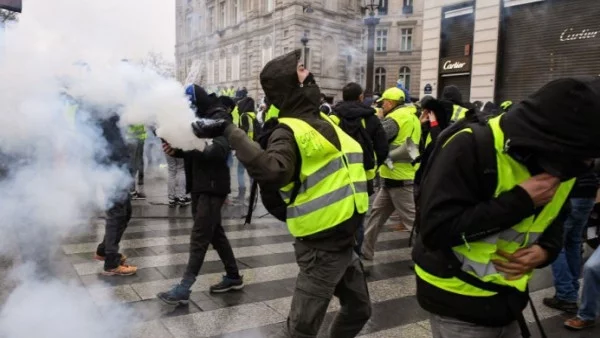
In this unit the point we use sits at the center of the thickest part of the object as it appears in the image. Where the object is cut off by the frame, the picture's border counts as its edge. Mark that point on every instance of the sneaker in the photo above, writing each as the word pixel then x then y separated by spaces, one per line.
pixel 184 201
pixel 173 202
pixel 103 258
pixel 121 270
pixel 562 305
pixel 228 284
pixel 178 295
pixel 579 324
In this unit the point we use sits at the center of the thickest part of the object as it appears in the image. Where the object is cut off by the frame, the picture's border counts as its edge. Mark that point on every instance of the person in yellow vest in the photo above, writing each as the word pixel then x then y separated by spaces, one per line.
pixel 317 171
pixel 136 137
pixel 491 202
pixel 246 120
pixel 452 93
pixel 396 193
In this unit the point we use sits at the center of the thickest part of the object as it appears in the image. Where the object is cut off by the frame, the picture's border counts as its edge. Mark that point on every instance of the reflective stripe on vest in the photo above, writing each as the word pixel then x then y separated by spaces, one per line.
pixel 476 256
pixel 458 113
pixel 371 173
pixel 332 182
pixel 410 127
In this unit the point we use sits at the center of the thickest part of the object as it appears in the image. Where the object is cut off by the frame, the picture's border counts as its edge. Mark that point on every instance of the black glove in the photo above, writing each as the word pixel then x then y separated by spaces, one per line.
pixel 210 128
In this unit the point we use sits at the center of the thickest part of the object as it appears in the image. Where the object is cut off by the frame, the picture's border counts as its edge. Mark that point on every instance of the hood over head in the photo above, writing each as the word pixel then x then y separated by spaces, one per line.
pixel 353 109
pixel 442 109
pixel 279 80
pixel 246 105
pixel 452 94
pixel 227 102
pixel 200 99
pixel 558 125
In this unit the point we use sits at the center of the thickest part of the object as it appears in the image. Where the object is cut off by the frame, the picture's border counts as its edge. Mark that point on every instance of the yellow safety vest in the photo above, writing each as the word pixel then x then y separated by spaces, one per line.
pixel 458 113
pixel 476 256
pixel 332 182
pixel 410 127
pixel 235 114
pixel 138 131
pixel 251 116
pixel 272 113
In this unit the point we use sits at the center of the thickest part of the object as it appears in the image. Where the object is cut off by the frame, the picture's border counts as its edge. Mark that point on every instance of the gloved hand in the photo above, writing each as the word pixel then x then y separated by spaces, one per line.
pixel 209 128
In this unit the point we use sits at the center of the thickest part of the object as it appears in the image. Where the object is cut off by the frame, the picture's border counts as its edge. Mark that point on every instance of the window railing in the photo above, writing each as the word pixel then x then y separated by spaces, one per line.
pixel 407 9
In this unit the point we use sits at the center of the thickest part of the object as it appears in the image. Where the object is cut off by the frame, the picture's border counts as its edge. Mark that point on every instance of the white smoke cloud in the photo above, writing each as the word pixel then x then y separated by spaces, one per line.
pixel 51 179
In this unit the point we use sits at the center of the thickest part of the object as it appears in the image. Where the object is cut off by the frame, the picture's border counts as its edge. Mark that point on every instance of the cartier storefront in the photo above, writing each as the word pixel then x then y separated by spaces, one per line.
pixel 544 40
pixel 455 48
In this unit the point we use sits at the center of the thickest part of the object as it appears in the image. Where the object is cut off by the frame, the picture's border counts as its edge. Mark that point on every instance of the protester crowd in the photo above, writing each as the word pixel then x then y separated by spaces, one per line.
pixel 489 192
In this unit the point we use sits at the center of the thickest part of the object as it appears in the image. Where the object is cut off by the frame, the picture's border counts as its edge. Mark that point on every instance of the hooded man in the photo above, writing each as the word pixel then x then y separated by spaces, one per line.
pixel 318 171
pixel 491 209
pixel 208 180
pixel 452 93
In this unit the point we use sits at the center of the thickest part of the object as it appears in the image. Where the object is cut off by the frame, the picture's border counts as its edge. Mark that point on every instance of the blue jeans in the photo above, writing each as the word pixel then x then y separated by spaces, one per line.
pixel 567 267
pixel 590 299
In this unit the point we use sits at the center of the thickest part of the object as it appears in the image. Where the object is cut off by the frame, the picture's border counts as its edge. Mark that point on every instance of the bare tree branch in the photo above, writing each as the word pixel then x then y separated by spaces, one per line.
pixel 6 16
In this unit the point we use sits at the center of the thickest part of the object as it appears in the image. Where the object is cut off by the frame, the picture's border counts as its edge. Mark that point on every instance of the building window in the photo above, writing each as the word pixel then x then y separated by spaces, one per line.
pixel 381 41
pixel 222 67
pixel 408 3
pixel 222 16
pixel 269 5
pixel 189 26
pixel 406 39
pixel 379 79
pixel 235 64
pixel 404 77
pixel 329 62
pixel 210 78
pixel 211 19
pixel 267 51
pixel 235 11
pixel 383 7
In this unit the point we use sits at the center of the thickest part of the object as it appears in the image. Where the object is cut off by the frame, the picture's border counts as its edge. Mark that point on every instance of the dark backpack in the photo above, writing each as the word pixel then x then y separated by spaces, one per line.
pixel 356 128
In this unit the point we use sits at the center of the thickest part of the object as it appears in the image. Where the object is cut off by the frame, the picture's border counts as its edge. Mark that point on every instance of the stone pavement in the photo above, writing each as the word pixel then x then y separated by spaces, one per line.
pixel 157 242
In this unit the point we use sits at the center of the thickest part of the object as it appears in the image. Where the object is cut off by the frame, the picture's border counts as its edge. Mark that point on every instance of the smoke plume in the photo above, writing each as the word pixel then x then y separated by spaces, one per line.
pixel 63 70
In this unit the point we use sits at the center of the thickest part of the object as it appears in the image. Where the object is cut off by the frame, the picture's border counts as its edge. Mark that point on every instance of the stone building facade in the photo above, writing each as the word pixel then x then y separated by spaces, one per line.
pixel 398 40
pixel 227 42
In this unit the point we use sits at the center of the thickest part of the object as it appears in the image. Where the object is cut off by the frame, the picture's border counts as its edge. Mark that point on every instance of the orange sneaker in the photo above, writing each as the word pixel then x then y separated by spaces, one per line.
pixel 577 323
pixel 103 258
pixel 121 270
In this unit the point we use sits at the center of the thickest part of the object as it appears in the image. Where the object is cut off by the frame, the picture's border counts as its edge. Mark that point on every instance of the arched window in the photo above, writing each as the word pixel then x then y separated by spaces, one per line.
pixel 379 80
pixel 404 77
pixel 267 51
pixel 222 66
pixel 235 64
pixel 330 57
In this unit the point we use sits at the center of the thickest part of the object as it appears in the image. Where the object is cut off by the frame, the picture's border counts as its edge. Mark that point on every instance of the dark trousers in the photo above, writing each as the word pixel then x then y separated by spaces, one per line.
pixel 117 218
pixel 323 275
pixel 206 210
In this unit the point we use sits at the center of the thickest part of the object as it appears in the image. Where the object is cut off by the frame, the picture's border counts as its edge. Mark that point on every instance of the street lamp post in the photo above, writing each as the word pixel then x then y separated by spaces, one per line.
pixel 304 42
pixel 371 21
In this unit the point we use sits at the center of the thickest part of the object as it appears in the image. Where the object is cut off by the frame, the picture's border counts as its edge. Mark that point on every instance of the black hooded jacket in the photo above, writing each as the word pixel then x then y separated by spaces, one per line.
pixel 207 171
pixel 277 165
pixel 354 112
pixel 562 118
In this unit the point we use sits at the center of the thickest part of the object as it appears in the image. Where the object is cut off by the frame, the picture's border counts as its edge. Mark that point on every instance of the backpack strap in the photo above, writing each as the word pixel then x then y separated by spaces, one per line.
pixel 486 158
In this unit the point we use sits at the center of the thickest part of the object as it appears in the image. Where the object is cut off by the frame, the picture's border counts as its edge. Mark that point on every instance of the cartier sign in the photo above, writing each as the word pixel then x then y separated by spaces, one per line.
pixel 570 34
pixel 455 65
